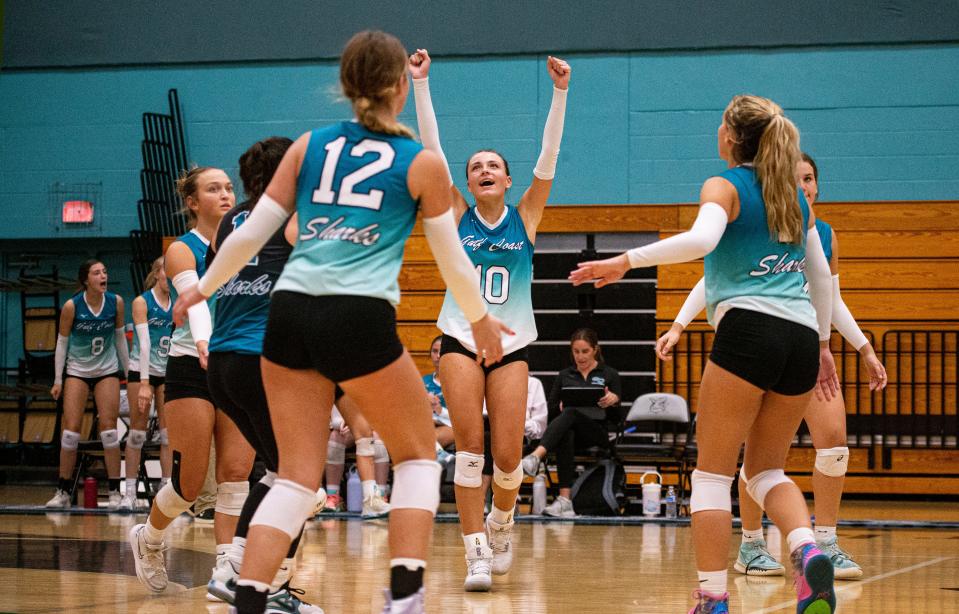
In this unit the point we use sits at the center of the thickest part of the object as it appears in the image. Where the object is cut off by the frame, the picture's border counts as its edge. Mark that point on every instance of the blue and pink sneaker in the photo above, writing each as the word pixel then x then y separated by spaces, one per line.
pixel 814 581
pixel 710 603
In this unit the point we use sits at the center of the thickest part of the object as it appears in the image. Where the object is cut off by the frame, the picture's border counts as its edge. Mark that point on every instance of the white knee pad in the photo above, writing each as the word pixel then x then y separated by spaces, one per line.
pixel 335 453
pixel 268 479
pixel 164 437
pixel 110 439
pixel 416 485
pixel 169 501
pixel 135 439
pixel 380 453
pixel 364 446
pixel 832 461
pixel 469 470
pixel 286 507
pixel 230 497
pixel 760 484
pixel 70 440
pixel 508 480
pixel 711 491
pixel 742 475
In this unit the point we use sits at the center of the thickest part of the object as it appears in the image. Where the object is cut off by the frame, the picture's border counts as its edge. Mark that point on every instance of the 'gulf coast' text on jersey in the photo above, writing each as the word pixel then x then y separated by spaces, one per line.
pixel 750 270
pixel 160 321
pixel 181 343
pixel 92 351
pixel 354 214
pixel 243 303
pixel 503 257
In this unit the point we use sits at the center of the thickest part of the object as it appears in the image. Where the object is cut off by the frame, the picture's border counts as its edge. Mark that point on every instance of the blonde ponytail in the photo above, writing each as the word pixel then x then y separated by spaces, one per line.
pixel 371 67
pixel 374 119
pixel 775 164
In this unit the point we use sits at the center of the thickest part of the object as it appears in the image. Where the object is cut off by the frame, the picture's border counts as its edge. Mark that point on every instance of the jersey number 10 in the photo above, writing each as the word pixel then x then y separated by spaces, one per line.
pixel 495 291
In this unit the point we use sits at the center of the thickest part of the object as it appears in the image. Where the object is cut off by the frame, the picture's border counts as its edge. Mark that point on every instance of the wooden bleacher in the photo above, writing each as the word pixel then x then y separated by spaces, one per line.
pixel 899 267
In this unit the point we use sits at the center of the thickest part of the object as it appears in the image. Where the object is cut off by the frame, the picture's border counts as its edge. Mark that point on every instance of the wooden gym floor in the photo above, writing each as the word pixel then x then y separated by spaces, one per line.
pixel 60 562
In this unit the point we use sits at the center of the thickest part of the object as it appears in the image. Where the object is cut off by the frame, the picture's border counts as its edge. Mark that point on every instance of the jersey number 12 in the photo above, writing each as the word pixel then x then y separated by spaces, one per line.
pixel 373 199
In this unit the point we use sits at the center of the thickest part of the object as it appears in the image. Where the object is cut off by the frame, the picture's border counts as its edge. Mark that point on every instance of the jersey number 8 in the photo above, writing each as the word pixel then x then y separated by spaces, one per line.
pixel 97 345
pixel 495 291
pixel 324 194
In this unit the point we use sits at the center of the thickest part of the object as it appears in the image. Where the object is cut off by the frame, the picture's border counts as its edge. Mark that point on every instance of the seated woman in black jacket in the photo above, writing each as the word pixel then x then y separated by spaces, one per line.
pixel 576 427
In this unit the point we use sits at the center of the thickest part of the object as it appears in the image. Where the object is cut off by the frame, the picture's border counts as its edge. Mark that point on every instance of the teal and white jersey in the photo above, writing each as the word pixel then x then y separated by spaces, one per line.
pixel 503 256
pixel 181 342
pixel 825 237
pixel 92 350
pixel 160 321
pixel 751 271
pixel 355 213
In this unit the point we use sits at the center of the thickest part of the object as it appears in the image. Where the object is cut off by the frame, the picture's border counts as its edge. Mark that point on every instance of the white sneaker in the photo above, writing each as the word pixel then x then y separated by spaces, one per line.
pixel 530 465
pixel 115 499
pixel 320 501
pixel 479 567
pixel 375 506
pixel 60 499
pixel 128 503
pixel 499 543
pixel 409 605
pixel 219 588
pixel 560 508
pixel 148 560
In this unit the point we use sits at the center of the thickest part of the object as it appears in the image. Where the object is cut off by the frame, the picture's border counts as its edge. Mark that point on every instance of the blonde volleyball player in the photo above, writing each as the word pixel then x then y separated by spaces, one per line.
pixel 765 359
pixel 153 323
pixel 826 419
pixel 499 241
pixel 92 349
pixel 356 186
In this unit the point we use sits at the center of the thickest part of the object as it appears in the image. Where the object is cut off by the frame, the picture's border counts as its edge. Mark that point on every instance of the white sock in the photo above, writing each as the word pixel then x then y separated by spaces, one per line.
pixel 713 582
pixel 237 548
pixel 476 543
pixel 163 482
pixel 260 587
pixel 752 536
pixel 151 534
pixel 411 564
pixel 283 574
pixel 369 487
pixel 824 533
pixel 499 516
pixel 798 538
pixel 223 550
pixel 130 489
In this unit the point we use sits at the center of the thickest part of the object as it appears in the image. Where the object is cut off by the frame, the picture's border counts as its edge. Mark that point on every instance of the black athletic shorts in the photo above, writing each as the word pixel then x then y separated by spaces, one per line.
pixel 450 345
pixel 155 380
pixel 237 388
pixel 341 337
pixel 93 381
pixel 768 352
pixel 186 379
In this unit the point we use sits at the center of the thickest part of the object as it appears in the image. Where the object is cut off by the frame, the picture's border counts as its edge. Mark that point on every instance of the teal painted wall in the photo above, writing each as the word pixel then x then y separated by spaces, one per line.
pixel 882 122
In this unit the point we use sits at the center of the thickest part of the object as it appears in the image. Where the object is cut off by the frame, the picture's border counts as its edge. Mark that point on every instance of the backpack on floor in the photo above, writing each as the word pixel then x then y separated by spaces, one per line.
pixel 599 491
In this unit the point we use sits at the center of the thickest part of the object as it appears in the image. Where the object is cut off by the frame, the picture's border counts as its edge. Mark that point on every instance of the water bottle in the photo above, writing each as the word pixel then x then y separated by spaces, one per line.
pixel 652 493
pixel 90 493
pixel 539 494
pixel 671 502
pixel 354 492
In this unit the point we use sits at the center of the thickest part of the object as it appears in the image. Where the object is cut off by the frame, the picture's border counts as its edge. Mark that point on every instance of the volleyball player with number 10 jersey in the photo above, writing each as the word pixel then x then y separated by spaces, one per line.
pixel 356 187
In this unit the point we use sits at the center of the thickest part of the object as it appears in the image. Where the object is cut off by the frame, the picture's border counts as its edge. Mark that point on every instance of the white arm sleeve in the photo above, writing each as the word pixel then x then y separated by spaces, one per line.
pixel 536 412
pixel 842 319
pixel 820 285
pixel 60 359
pixel 695 302
pixel 243 243
pixel 552 135
pixel 201 322
pixel 695 243
pixel 143 337
pixel 123 350
pixel 454 264
pixel 426 121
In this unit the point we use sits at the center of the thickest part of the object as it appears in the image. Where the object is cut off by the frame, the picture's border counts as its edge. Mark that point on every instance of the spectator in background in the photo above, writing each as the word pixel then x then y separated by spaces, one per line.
pixel 441 415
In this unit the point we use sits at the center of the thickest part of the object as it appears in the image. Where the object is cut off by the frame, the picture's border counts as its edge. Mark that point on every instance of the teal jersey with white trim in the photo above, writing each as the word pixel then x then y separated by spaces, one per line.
pixel 160 322
pixel 355 212
pixel 92 350
pixel 503 256
pixel 825 237
pixel 750 270
pixel 181 342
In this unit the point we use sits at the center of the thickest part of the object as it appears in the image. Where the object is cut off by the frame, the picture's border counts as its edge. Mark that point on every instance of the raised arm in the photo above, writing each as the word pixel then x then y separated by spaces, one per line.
pixel 419 67
pixel 533 202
